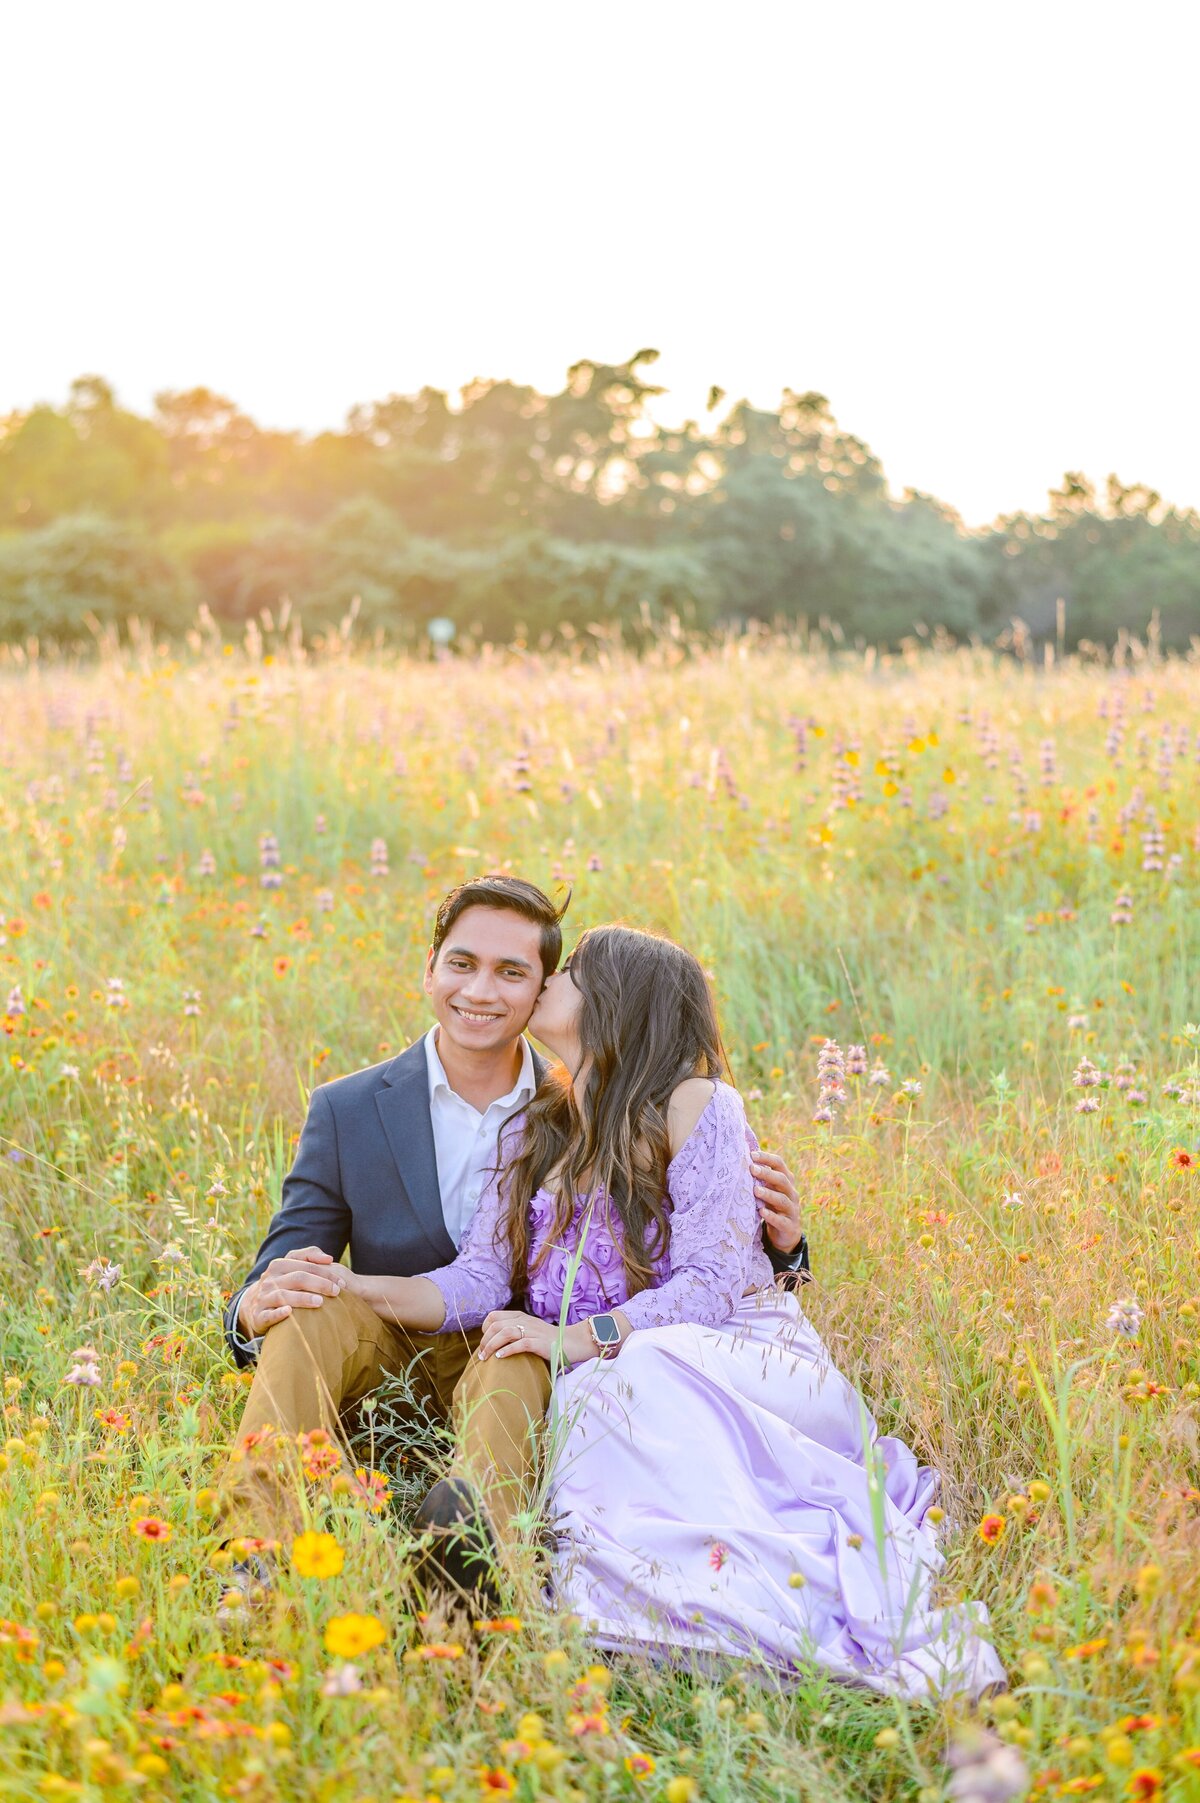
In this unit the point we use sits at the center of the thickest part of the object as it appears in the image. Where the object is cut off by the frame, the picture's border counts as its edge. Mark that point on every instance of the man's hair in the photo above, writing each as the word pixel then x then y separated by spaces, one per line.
pixel 514 896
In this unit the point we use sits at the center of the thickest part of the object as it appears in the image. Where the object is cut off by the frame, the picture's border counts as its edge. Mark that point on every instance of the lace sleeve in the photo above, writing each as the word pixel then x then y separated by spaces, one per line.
pixel 479 1280
pixel 715 1248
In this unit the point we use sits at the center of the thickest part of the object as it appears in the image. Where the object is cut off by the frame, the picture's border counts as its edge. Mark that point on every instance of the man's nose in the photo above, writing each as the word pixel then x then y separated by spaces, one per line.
pixel 480 987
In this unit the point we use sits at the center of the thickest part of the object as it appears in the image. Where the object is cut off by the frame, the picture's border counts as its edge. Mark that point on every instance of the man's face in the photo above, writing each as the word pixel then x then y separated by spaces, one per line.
pixel 487 977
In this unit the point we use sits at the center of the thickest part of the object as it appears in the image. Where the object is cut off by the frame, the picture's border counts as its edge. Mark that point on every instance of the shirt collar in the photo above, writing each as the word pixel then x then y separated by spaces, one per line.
pixel 521 1091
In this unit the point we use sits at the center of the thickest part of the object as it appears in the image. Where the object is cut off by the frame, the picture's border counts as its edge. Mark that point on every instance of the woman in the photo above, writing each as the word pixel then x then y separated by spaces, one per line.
pixel 716 1485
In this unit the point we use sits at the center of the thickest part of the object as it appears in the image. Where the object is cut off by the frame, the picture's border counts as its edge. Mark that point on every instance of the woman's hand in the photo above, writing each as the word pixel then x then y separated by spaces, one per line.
pixel 506 1331
pixel 778 1203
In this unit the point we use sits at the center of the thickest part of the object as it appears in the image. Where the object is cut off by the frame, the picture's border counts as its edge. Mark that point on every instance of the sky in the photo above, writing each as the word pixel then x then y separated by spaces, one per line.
pixel 970 226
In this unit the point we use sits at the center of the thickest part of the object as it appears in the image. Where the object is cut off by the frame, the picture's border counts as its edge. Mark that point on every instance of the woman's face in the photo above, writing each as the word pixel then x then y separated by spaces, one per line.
pixel 555 1020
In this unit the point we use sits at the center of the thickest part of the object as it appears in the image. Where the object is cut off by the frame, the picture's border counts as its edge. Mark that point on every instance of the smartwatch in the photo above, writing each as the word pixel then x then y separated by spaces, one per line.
pixel 605 1332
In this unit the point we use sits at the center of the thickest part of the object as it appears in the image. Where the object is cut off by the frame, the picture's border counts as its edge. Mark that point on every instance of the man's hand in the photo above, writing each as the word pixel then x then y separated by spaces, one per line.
pixel 299 1279
pixel 778 1203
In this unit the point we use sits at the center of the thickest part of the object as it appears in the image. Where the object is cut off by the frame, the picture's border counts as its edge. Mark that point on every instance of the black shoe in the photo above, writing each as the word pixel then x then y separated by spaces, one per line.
pixel 464 1551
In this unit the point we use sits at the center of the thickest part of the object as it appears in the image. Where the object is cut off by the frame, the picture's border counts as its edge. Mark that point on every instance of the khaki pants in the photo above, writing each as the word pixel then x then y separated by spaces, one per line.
pixel 318 1364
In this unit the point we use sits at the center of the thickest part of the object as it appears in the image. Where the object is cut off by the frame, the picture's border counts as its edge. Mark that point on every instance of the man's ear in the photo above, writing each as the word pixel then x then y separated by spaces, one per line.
pixel 427 983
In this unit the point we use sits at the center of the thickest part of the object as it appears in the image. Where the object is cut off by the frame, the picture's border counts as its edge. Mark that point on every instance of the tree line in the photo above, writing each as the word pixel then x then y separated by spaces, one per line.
pixel 517 513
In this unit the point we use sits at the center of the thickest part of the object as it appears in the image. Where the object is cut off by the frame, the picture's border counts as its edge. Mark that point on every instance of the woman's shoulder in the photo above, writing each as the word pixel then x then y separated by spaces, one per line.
pixel 697 1109
pixel 686 1104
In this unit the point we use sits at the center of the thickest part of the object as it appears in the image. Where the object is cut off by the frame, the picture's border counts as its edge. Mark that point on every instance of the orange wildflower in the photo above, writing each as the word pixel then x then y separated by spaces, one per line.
pixel 594 1721
pixel 152 1527
pixel 992 1528
pixel 494 1781
pixel 1086 1648
pixel 1042 1595
pixel 24 1640
pixel 321 1462
pixel 371 1488
pixel 257 1436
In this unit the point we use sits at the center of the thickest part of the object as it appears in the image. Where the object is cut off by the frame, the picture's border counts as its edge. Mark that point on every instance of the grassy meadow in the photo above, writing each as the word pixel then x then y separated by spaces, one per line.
pixel 219 872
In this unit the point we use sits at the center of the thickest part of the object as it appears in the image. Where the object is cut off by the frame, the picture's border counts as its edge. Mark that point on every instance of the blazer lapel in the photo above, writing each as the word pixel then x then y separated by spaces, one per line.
pixel 403 1104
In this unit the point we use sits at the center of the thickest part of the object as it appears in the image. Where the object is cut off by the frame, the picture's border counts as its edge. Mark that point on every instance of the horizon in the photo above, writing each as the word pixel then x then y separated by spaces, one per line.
pixel 971 243
pixel 657 409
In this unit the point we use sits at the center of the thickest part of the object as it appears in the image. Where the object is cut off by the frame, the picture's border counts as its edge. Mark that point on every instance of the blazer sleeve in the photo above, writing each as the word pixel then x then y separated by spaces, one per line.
pixel 312 1212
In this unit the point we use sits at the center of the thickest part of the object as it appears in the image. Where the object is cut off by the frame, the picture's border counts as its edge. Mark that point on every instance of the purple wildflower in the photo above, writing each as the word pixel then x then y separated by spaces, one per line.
pixel 1125 1317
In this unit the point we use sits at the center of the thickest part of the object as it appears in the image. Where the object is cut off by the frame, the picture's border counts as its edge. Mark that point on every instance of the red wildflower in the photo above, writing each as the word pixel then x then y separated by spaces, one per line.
pixel 494 1781
pixel 371 1488
pixel 580 1724
pixel 152 1527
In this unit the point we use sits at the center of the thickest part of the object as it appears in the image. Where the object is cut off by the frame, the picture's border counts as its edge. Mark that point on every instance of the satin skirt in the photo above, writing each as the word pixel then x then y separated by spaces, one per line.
pixel 706 1490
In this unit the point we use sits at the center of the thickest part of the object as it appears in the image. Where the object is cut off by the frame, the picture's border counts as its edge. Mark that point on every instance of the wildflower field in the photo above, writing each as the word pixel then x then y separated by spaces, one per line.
pixel 979 877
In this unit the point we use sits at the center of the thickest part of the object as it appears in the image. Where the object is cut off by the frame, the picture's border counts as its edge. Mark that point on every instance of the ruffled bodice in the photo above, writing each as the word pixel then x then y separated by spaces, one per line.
pixel 600 1281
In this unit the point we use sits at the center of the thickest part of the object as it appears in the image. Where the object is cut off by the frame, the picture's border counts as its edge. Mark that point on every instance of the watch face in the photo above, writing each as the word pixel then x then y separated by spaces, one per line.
pixel 606 1330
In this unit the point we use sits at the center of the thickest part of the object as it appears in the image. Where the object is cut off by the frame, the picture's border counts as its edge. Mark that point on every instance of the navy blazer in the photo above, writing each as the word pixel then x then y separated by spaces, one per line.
pixel 366 1177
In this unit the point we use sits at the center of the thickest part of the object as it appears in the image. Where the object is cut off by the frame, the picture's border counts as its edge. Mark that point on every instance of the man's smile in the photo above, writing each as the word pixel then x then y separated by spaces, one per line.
pixel 473 1014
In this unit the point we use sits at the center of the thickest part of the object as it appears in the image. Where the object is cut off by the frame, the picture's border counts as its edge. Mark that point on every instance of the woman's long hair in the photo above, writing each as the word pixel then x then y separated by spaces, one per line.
pixel 647 1022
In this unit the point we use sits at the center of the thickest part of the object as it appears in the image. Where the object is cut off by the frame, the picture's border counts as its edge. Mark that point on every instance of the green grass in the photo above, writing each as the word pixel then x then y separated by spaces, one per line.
pixel 956 937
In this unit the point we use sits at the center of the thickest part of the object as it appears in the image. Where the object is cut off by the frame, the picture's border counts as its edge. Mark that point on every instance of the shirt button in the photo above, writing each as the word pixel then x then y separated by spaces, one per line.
pixel 472 1195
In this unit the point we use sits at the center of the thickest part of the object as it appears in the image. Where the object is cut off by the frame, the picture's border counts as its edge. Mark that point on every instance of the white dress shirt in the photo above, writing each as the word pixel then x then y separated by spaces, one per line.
pixel 464 1140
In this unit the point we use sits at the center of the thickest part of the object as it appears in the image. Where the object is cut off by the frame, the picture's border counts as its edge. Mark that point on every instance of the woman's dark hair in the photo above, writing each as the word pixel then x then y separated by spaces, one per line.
pixel 516 897
pixel 648 1021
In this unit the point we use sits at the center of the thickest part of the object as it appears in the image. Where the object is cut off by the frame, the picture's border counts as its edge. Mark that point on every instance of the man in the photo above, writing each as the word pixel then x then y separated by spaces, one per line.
pixel 391 1163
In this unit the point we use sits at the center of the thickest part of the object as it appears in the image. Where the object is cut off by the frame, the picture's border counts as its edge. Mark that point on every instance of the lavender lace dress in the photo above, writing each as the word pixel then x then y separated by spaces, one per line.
pixel 707 1483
